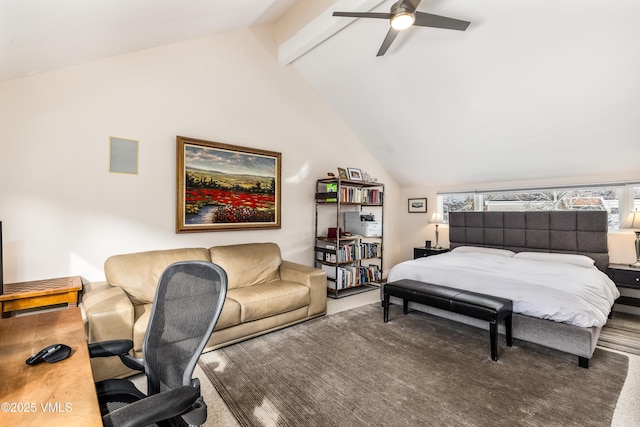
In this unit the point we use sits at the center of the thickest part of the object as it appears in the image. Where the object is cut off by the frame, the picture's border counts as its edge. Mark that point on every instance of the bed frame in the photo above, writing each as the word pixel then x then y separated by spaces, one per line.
pixel 573 232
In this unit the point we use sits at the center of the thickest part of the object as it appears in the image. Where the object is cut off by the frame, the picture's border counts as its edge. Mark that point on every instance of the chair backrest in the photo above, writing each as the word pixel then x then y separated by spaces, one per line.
pixel 186 308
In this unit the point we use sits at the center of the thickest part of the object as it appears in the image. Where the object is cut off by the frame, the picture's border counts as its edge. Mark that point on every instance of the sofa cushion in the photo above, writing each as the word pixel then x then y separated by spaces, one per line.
pixel 269 299
pixel 138 273
pixel 248 264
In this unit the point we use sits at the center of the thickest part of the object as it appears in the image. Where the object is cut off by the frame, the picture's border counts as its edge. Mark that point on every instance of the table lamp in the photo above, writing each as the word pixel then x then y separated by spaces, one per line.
pixel 633 221
pixel 436 219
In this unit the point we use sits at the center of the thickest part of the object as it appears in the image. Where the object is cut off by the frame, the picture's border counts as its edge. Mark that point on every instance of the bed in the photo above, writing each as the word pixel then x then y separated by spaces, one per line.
pixel 551 264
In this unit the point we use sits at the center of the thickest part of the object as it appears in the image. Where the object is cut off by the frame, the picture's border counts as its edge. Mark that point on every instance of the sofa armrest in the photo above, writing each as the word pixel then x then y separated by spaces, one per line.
pixel 314 278
pixel 109 315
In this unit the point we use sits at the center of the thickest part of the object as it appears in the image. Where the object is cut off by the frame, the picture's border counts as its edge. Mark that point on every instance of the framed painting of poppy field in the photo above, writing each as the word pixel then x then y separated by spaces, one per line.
pixel 226 187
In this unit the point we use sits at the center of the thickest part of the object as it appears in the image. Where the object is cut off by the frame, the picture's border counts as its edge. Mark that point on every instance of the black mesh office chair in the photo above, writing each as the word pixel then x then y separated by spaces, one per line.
pixel 186 308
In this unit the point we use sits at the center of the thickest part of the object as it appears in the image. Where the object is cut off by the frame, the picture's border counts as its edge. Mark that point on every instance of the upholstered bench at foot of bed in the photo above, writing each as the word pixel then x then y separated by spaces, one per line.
pixel 480 306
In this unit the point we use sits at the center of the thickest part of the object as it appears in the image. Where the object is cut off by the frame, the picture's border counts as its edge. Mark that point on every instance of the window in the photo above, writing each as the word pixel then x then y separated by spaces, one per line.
pixel 611 198
pixel 455 202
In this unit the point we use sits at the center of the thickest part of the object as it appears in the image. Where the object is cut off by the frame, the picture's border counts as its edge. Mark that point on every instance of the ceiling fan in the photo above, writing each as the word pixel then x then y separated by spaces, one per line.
pixel 404 15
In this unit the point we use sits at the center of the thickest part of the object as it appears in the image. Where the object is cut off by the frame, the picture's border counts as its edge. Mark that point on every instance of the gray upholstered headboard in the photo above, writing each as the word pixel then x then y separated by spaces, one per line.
pixel 573 232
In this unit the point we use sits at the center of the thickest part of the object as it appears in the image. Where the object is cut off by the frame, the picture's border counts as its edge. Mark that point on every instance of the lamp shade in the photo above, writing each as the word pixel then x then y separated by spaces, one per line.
pixel 436 218
pixel 632 220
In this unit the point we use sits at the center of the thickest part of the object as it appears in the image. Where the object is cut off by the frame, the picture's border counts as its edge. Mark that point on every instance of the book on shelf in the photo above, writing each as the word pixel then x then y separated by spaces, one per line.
pixel 326 252
pixel 372 196
pixel 358 251
pixel 350 276
pixel 349 252
pixel 371 273
pixel 325 256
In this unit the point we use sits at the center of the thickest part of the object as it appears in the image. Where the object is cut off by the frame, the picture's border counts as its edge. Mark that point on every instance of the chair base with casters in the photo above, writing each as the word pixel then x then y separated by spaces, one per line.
pixel 188 303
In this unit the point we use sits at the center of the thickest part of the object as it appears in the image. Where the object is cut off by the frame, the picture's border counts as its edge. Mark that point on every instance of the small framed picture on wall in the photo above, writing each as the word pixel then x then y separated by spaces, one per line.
pixel 418 205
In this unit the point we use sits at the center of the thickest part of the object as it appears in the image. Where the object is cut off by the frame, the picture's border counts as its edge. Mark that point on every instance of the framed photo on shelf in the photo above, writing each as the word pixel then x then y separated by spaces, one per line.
pixel 418 205
pixel 342 173
pixel 226 187
pixel 354 174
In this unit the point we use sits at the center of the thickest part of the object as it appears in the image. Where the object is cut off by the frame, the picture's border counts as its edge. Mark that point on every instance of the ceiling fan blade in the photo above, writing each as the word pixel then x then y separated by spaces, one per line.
pixel 378 15
pixel 391 36
pixel 436 21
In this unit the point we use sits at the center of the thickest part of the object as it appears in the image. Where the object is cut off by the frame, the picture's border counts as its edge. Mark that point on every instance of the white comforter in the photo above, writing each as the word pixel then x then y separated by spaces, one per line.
pixel 580 296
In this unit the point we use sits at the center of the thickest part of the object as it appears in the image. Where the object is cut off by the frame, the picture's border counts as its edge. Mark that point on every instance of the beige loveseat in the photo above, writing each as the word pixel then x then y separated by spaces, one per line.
pixel 265 293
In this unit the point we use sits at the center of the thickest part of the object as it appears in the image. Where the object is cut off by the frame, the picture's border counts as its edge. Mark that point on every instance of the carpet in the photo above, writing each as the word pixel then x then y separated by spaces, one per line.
pixel 351 369
pixel 622 332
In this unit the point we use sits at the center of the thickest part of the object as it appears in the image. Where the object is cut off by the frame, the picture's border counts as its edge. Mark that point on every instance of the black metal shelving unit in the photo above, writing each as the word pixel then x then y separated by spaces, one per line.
pixel 344 257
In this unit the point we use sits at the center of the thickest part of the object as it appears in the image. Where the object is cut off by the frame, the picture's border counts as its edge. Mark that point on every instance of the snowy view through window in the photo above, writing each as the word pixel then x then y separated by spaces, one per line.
pixel 599 198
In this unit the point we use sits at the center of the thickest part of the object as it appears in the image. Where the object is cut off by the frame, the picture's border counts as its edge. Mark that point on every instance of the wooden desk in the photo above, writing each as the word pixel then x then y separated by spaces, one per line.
pixel 51 394
pixel 40 293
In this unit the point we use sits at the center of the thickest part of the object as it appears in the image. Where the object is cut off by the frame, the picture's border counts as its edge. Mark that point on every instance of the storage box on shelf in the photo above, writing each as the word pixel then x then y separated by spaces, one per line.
pixel 349 252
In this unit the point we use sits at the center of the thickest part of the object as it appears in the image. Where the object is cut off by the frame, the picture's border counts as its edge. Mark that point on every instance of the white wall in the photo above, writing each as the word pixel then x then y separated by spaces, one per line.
pixel 63 213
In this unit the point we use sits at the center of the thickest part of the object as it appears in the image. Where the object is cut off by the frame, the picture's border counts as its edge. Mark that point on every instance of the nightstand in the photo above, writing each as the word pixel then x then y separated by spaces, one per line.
pixel 423 251
pixel 625 276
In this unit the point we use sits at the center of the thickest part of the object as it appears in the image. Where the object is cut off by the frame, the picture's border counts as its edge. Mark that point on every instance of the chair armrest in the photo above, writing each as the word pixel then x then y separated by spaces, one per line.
pixel 157 407
pixel 314 278
pixel 110 348
pixel 118 348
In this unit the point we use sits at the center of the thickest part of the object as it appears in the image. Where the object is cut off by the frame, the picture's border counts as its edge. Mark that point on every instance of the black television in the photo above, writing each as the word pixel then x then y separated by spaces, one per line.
pixel 1 270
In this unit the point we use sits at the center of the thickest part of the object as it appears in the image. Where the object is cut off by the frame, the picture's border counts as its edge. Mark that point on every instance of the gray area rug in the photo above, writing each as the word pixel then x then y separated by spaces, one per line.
pixel 351 369
pixel 622 332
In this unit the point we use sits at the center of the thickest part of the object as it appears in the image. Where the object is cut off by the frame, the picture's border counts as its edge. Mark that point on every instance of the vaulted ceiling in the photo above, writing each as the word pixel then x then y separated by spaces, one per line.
pixel 531 90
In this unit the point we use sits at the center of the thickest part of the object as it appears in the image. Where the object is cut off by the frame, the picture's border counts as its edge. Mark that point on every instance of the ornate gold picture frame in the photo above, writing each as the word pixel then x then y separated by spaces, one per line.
pixel 226 187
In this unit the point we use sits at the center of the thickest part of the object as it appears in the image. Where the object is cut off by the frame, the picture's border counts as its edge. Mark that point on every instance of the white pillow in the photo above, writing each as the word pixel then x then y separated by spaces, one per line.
pixel 579 260
pixel 480 249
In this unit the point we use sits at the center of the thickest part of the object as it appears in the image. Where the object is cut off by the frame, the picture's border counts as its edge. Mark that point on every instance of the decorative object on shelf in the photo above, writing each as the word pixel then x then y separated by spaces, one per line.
pixel 331 175
pixel 333 232
pixel 633 221
pixel 366 177
pixel 427 243
pixel 418 205
pixel 342 173
pixel 436 219
pixel 354 174
pixel 226 187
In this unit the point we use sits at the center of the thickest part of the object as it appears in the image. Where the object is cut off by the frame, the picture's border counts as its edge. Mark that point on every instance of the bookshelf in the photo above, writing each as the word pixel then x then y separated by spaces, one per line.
pixel 351 259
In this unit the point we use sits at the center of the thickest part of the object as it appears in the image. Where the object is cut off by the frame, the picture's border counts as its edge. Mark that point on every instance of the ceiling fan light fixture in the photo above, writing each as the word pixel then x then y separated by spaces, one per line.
pixel 402 21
